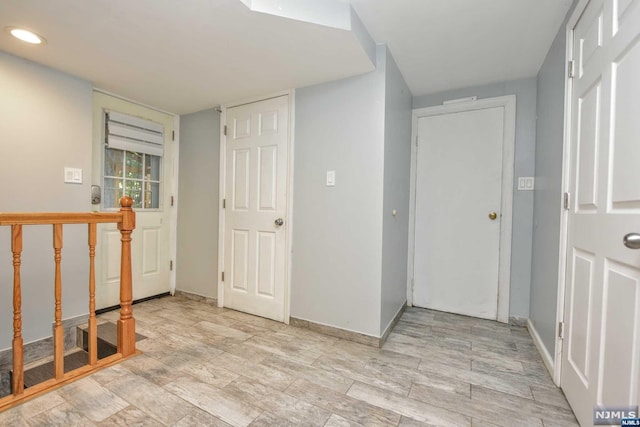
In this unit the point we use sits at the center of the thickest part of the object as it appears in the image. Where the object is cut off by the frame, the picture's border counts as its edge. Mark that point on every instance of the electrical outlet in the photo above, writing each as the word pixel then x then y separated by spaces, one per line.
pixel 526 183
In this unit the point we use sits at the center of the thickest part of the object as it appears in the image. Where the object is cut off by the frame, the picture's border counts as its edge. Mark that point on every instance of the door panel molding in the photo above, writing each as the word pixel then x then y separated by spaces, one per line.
pixel 508 102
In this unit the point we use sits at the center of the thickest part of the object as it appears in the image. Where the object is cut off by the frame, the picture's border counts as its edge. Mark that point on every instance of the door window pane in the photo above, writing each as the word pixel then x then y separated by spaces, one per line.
pixel 152 167
pixel 134 165
pixel 133 189
pixel 112 192
pixel 136 175
pixel 113 165
pixel 152 195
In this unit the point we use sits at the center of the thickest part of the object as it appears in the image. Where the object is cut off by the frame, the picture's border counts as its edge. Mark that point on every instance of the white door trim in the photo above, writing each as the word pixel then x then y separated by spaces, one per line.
pixel 173 221
pixel 566 179
pixel 289 208
pixel 508 150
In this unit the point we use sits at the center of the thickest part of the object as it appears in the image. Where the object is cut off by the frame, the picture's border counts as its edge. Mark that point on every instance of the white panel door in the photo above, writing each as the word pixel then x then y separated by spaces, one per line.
pixel 458 186
pixel 601 349
pixel 256 206
pixel 149 181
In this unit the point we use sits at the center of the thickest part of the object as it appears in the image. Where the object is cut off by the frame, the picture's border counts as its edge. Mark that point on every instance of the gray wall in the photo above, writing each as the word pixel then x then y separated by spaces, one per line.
pixel 337 231
pixel 397 162
pixel 45 125
pixel 197 246
pixel 525 91
pixel 548 194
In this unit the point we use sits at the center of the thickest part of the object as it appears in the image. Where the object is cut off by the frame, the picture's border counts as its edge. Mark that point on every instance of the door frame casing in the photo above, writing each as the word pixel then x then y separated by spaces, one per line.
pixel 289 200
pixel 173 224
pixel 566 183
pixel 508 102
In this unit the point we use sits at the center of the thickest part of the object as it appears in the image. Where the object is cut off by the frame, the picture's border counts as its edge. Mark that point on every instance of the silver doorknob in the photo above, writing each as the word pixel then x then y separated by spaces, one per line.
pixel 632 241
pixel 279 222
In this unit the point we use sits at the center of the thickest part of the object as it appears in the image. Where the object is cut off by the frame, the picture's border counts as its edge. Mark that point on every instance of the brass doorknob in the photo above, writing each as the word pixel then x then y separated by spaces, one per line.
pixel 493 216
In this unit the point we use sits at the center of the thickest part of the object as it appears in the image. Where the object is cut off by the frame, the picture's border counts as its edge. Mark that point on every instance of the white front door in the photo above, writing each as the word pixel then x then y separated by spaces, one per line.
pixel 601 349
pixel 459 210
pixel 257 147
pixel 145 172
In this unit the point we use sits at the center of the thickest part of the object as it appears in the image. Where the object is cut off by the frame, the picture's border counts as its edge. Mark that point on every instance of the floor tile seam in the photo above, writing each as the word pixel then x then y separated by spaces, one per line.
pixel 152 415
pixel 222 390
pixel 144 412
pixel 298 376
pixel 562 412
pixel 367 403
pixel 46 411
pixel 408 371
pixel 455 378
pixel 528 381
pixel 315 405
pixel 408 397
pixel 354 379
pixel 470 399
pixel 277 344
pixel 290 395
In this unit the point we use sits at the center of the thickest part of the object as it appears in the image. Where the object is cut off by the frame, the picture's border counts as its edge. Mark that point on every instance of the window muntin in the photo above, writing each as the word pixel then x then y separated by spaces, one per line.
pixel 135 174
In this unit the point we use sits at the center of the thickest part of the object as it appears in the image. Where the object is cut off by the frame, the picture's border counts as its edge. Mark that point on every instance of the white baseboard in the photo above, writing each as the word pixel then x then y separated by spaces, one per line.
pixel 544 353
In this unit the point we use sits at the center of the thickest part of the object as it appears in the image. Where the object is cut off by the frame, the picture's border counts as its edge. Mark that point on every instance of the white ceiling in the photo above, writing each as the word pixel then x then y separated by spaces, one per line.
pixel 449 44
pixel 190 55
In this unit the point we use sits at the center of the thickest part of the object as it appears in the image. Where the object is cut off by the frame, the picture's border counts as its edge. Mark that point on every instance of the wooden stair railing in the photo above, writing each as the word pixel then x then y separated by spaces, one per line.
pixel 126 220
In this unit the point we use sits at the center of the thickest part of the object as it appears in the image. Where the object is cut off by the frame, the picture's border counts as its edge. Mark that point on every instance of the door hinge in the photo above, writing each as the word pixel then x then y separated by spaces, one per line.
pixel 572 68
pixel 416 140
pixel 223 276
pixel 171 200
pixel 567 200
pixel 224 203
pixel 561 330
pixel 173 135
pixel 171 265
pixel 225 130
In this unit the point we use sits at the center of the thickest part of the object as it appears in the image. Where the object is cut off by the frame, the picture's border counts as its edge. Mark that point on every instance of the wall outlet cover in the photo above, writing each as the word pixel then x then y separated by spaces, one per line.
pixel 526 183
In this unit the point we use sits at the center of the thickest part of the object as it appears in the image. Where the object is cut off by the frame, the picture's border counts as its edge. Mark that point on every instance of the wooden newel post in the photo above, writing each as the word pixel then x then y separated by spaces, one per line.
pixel 126 324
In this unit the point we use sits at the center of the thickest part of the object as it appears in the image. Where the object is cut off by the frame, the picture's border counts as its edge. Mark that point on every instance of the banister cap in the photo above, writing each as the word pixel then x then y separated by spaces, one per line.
pixel 126 202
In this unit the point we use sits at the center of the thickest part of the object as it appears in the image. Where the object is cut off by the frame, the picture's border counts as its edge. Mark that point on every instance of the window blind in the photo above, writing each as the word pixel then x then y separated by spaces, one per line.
pixel 125 132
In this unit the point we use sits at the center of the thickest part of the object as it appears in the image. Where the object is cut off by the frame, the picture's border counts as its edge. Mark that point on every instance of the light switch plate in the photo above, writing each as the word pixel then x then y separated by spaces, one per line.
pixel 331 178
pixel 526 183
pixel 73 176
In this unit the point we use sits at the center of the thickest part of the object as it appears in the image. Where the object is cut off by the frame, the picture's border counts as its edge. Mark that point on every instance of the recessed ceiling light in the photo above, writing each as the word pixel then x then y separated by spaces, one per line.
pixel 25 35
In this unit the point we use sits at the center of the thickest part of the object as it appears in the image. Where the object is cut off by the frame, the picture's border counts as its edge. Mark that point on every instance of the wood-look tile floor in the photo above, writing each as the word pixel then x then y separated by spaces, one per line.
pixel 205 366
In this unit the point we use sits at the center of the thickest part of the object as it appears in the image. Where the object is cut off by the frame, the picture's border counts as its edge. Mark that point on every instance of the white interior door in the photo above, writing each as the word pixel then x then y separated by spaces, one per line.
pixel 601 349
pixel 147 177
pixel 459 185
pixel 257 147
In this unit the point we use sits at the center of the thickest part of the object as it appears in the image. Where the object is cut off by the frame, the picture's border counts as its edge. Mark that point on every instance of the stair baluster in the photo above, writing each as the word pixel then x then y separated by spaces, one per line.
pixel 17 385
pixel 58 332
pixel 125 220
pixel 93 326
